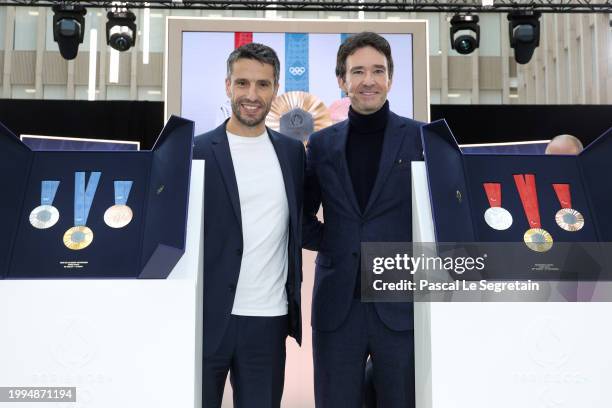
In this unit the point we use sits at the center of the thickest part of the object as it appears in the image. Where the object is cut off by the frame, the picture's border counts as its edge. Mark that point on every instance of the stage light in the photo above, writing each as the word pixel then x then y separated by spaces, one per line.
pixel 68 28
pixel 464 33
pixel 121 29
pixel 524 34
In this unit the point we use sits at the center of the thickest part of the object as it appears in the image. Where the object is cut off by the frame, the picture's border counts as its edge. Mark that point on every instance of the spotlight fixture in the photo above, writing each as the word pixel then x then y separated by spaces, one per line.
pixel 464 33
pixel 524 34
pixel 121 29
pixel 68 28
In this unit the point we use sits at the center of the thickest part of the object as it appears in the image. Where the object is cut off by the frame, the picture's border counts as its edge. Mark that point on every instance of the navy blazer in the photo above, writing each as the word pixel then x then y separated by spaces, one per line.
pixel 223 230
pixel 386 218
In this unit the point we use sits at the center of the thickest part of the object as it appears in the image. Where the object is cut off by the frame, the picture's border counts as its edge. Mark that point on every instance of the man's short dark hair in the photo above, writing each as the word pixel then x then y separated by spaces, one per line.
pixel 360 40
pixel 257 52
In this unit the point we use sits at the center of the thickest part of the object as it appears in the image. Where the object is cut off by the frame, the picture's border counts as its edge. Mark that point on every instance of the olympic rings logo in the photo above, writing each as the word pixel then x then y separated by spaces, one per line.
pixel 297 71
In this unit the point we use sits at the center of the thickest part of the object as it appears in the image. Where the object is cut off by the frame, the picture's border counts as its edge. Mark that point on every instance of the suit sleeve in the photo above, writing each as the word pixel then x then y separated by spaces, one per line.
pixel 312 228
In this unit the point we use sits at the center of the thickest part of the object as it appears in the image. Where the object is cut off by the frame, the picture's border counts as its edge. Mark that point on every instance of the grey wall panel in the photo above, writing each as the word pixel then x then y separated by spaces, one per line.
pixel 24 64
pixel 460 72
pixel 490 73
pixel 55 69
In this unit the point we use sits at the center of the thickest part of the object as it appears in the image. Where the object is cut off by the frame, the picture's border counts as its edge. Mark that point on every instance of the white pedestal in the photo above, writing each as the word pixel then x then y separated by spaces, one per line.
pixel 122 343
pixel 508 355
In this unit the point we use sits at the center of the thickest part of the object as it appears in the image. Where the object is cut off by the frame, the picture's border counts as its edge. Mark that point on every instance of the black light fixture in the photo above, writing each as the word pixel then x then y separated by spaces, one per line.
pixel 464 33
pixel 121 29
pixel 68 28
pixel 524 34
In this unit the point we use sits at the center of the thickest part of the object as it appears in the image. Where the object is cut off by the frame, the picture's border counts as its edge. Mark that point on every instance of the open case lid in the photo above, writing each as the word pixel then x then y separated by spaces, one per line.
pixel 166 213
pixel 15 162
pixel 450 200
pixel 596 166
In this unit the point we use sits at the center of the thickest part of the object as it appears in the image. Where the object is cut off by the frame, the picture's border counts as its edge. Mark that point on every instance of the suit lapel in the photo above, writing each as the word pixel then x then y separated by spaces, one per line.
pixel 392 142
pixel 223 156
pixel 285 166
pixel 339 158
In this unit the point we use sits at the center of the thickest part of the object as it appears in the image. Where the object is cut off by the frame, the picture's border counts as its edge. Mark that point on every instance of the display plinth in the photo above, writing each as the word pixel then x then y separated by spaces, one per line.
pixel 123 343
pixel 506 355
pixel 147 247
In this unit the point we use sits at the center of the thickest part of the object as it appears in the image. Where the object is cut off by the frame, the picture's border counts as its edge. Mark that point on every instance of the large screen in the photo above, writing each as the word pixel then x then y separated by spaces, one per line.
pixel 198 50
pixel 307 65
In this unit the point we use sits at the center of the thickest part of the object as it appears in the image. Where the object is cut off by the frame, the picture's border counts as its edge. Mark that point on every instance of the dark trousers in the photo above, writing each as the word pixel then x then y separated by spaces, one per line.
pixel 253 352
pixel 340 358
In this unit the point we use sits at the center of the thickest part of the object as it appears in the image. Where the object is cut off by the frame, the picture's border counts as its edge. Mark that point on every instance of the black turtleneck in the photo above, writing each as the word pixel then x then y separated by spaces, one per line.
pixel 363 149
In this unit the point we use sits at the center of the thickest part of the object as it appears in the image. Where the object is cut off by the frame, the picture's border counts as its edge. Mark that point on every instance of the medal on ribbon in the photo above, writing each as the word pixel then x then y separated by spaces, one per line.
pixel 567 218
pixel 80 236
pixel 496 216
pixel 536 238
pixel 46 215
pixel 120 215
pixel 298 114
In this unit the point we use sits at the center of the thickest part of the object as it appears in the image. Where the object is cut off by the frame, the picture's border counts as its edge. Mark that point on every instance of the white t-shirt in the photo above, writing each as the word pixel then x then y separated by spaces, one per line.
pixel 265 227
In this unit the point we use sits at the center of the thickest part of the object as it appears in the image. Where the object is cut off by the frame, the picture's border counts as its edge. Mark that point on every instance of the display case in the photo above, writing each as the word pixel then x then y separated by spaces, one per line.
pixel 94 214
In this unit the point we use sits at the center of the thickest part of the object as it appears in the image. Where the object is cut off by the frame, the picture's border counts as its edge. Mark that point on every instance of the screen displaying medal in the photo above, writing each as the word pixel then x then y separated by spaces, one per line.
pixel 80 236
pixel 536 238
pixel 46 215
pixel 495 216
pixel 567 218
pixel 120 215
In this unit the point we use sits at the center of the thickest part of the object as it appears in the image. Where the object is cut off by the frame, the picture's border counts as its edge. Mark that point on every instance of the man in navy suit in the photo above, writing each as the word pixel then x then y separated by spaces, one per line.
pixel 359 170
pixel 252 239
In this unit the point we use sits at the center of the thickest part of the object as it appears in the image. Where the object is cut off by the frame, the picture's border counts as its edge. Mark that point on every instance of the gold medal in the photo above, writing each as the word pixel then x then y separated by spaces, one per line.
pixel 78 237
pixel 538 239
pixel 569 219
pixel 118 216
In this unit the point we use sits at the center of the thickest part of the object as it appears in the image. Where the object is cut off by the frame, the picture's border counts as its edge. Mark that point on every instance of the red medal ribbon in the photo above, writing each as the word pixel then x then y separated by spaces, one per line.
pixel 526 186
pixel 242 38
pixel 493 191
pixel 563 195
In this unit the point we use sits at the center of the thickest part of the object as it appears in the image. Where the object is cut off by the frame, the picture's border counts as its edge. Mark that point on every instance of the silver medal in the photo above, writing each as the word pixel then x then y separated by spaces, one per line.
pixel 498 218
pixel 44 216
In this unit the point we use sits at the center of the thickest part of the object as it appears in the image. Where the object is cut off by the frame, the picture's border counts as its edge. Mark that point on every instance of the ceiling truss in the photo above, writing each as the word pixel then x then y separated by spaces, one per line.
pixel 450 6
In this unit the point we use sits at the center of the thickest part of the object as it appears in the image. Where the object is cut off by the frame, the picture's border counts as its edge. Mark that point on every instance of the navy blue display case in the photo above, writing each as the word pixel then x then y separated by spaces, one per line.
pixel 148 247
pixel 458 198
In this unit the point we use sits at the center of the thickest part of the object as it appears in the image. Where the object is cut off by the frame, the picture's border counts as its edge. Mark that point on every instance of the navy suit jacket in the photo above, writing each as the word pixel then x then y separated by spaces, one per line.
pixel 386 218
pixel 223 241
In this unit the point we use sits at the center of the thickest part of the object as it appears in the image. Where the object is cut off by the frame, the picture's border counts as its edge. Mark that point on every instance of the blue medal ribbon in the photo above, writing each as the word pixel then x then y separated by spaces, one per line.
pixel 296 66
pixel 48 190
pixel 122 191
pixel 83 197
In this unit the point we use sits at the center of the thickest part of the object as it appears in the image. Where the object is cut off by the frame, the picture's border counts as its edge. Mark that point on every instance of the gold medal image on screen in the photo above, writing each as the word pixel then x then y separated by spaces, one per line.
pixel 298 114
pixel 536 238
pixel 120 215
pixel 46 215
pixel 80 236
pixel 567 218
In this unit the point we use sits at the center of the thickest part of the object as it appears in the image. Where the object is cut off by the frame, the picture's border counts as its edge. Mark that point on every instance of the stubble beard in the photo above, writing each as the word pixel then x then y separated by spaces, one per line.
pixel 248 121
